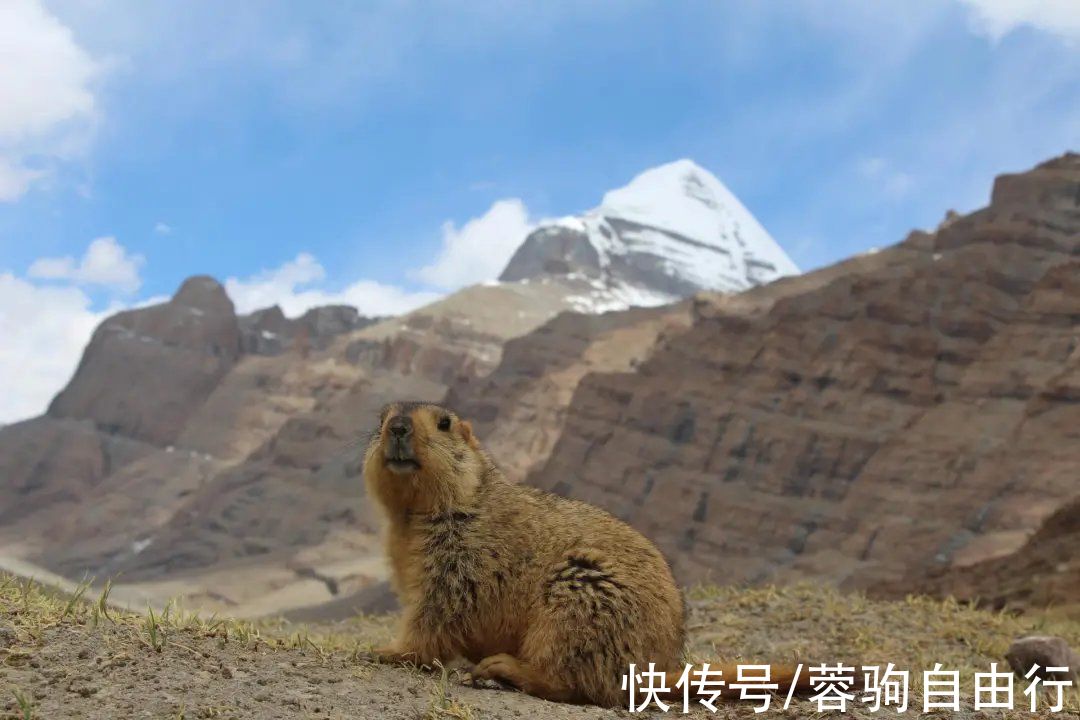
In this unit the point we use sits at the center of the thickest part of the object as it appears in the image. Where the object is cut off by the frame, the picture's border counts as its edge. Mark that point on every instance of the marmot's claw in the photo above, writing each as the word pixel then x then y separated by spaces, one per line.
pixel 387 656
pixel 368 656
pixel 468 676
pixel 478 681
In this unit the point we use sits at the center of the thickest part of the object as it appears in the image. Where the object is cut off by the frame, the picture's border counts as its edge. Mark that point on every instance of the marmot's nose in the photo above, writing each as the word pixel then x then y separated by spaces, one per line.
pixel 400 426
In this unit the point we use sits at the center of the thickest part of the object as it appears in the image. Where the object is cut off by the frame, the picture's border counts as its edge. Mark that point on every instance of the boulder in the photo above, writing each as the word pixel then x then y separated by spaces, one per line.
pixel 1044 652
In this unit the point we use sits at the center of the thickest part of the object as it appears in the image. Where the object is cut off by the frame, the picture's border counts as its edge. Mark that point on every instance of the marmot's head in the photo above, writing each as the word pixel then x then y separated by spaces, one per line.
pixel 423 457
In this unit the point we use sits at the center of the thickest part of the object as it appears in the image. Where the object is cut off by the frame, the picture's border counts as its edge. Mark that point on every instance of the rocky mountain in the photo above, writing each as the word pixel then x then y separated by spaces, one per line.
pixel 193 340
pixel 903 412
pixel 215 456
pixel 673 231
pixel 885 422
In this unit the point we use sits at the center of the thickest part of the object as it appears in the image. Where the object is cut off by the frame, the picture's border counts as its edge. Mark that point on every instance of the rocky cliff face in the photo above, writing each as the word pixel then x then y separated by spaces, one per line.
pixel 897 414
pixel 245 495
pixel 518 408
pixel 1044 572
pixel 145 371
pixel 298 423
pixel 52 462
pixel 269 332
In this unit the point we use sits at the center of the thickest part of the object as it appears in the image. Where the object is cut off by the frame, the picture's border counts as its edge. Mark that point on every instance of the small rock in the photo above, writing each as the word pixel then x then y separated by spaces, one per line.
pixel 1044 651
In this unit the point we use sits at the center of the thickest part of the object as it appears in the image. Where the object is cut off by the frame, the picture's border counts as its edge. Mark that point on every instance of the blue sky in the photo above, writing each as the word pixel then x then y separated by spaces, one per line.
pixel 306 147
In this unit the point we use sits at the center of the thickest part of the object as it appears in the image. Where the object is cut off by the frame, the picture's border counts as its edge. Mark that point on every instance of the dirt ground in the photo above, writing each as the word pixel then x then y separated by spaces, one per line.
pixel 66 657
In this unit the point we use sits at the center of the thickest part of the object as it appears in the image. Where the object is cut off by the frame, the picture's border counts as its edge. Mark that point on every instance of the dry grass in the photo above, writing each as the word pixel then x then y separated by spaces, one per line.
pixel 811 624
pixel 98 648
pixel 443 705
pixel 819 623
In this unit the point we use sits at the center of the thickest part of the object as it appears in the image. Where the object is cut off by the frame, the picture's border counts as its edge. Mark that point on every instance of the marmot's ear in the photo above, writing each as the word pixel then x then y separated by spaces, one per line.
pixel 467 435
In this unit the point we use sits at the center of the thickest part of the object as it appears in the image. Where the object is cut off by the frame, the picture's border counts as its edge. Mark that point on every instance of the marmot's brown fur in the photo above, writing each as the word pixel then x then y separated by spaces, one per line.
pixel 553 596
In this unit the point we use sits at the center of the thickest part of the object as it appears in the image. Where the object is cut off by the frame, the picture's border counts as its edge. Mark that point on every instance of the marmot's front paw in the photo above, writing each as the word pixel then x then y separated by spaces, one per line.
pixel 476 679
pixel 502 668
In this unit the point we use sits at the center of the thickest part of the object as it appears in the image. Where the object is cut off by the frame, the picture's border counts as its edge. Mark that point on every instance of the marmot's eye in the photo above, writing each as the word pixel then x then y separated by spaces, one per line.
pixel 444 423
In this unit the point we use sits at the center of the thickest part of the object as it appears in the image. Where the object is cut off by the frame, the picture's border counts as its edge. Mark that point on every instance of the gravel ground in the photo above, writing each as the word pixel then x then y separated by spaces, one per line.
pixel 65 658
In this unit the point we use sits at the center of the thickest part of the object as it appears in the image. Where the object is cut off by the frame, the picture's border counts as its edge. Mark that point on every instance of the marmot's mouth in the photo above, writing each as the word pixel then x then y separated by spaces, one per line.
pixel 402 466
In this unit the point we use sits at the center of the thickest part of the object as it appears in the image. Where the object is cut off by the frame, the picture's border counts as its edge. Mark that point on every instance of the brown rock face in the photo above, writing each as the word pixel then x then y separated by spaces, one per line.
pixel 269 332
pixel 1044 572
pixel 49 462
pixel 145 371
pixel 293 427
pixel 905 411
pixel 252 498
pixel 518 408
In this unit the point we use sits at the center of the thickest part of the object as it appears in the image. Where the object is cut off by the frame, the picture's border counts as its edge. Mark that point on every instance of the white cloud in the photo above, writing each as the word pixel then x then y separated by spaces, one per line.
pixel 290 287
pixel 45 326
pixel 15 180
pixel 105 263
pixel 894 183
pixel 45 329
pixel 871 166
pixel 46 103
pixel 481 248
pixel 163 228
pixel 478 251
pixel 997 18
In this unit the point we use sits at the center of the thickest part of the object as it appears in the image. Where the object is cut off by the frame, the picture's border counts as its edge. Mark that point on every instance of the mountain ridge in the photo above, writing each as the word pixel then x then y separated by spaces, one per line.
pixel 800 435
pixel 767 420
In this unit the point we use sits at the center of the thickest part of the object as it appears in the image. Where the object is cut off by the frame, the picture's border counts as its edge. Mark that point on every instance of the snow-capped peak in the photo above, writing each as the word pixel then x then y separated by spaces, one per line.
pixel 673 230
pixel 685 198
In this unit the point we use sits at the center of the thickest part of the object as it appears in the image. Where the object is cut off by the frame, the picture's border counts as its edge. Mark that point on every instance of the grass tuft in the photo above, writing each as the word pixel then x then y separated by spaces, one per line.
pixel 26 708
pixel 73 601
pixel 442 704
pixel 154 630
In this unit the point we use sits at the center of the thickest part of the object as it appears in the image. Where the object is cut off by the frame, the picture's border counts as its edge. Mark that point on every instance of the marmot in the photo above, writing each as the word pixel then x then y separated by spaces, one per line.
pixel 553 596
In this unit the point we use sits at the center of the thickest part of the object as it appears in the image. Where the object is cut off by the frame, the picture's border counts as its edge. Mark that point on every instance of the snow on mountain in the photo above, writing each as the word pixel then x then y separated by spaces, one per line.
pixel 672 231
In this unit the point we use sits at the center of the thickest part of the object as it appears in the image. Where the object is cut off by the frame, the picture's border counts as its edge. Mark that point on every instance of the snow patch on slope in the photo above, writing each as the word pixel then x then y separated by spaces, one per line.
pixel 598 297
